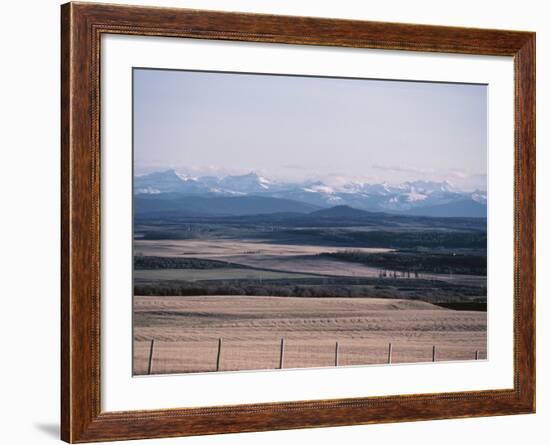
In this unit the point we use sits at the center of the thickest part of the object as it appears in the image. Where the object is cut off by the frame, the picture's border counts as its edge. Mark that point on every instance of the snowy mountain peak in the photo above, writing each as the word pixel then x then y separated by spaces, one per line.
pixel 249 183
pixel 405 197
pixel 423 186
pixel 479 196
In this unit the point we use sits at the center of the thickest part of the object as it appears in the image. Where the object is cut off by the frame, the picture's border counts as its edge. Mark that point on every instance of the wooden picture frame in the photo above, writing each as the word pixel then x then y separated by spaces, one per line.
pixel 82 25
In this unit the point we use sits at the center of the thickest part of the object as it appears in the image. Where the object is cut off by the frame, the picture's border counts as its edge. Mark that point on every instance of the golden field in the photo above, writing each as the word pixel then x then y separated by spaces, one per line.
pixel 186 331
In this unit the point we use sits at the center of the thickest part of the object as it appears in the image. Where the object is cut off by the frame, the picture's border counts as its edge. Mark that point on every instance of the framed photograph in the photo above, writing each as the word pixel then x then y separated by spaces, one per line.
pixel 274 222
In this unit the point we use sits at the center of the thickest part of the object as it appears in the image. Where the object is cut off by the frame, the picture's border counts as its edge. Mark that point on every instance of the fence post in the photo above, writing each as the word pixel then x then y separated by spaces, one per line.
pixel 433 353
pixel 477 355
pixel 282 357
pixel 151 350
pixel 219 357
pixel 336 355
pixel 389 353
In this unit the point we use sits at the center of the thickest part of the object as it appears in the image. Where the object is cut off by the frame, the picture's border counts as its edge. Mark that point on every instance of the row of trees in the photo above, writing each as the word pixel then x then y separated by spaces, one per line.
pixel 411 261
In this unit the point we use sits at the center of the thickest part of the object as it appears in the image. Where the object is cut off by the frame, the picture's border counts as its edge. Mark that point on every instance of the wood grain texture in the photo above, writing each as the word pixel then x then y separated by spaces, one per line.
pixel 81 29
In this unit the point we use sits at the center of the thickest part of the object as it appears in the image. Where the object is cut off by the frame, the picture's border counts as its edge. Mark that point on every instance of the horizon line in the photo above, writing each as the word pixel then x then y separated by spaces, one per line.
pixel 313 178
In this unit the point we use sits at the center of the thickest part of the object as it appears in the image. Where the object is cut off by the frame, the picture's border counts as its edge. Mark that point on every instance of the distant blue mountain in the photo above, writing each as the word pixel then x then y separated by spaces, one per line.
pixel 467 208
pixel 177 205
pixel 168 182
pixel 340 212
pixel 428 198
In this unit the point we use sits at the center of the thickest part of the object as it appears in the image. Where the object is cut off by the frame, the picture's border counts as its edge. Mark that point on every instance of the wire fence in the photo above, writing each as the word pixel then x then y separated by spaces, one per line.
pixel 222 355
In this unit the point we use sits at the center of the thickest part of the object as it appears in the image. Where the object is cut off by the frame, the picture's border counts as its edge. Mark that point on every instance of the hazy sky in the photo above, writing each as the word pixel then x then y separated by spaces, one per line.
pixel 296 128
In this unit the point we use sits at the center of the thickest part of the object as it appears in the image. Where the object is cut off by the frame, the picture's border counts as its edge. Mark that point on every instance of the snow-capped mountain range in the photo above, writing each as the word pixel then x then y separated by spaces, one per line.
pixel 417 197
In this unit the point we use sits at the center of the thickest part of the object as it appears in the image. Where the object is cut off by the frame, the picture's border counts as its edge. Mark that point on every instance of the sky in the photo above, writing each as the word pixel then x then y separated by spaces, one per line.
pixel 294 128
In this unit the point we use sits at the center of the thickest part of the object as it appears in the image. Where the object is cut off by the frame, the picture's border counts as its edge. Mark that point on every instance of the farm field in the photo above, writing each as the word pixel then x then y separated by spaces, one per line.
pixel 216 274
pixel 233 248
pixel 186 331
pixel 302 259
